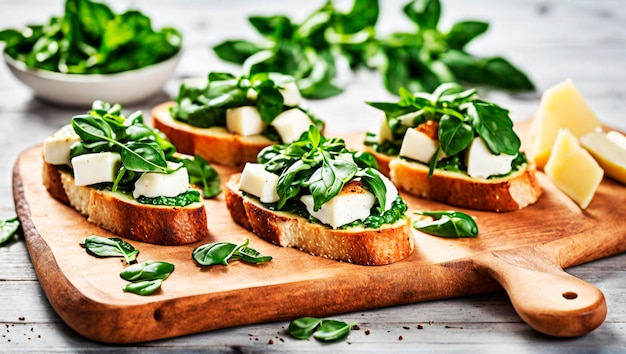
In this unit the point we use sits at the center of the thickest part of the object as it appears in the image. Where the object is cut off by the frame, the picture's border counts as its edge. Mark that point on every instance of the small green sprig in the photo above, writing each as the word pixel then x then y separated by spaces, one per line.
pixel 325 330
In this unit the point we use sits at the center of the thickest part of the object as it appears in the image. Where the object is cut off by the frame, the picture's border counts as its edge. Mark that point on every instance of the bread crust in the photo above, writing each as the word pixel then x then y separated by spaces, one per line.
pixel 216 144
pixel 509 193
pixel 124 216
pixel 389 244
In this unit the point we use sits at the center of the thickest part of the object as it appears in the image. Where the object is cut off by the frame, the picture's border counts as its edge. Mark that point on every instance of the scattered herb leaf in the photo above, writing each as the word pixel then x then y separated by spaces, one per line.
pixel 146 277
pixel 447 223
pixel 321 329
pixel 8 229
pixel 110 247
pixel 223 252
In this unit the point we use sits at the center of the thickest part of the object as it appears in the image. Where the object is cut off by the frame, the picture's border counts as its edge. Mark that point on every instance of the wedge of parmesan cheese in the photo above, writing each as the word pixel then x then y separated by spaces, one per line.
pixel 573 170
pixel 609 154
pixel 562 107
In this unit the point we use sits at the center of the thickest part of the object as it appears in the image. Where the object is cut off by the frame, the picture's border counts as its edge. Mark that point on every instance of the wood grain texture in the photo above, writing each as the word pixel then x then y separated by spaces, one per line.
pixel 84 290
pixel 550 40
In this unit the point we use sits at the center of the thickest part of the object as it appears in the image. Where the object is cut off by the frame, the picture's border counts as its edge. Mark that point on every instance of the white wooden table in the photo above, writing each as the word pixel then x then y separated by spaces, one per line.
pixel 550 40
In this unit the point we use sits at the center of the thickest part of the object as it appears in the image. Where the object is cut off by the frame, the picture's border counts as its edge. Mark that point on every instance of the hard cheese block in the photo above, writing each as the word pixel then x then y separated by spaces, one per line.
pixel 562 106
pixel 573 170
pixel 610 156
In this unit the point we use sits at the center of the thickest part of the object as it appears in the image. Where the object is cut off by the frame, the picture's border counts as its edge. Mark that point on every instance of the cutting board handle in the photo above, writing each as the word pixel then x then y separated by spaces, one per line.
pixel 544 296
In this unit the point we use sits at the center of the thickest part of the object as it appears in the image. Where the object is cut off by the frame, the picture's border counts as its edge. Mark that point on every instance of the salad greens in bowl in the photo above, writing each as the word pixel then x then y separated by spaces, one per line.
pixel 91 52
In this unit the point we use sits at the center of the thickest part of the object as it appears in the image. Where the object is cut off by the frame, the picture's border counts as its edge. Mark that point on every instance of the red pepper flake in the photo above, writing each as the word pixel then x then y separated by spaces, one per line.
pixel 356 328
pixel 271 341
pixel 420 326
pixel 367 332
pixel 400 338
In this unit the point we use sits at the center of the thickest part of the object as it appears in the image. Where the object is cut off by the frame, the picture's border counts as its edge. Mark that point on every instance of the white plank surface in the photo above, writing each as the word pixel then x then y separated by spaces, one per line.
pixel 551 40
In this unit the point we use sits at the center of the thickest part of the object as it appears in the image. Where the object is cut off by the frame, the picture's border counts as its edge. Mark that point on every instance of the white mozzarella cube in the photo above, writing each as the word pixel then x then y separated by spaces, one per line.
pixel 290 124
pixel 245 121
pixel 419 146
pixel 96 168
pixel 154 184
pixel 408 118
pixel 291 94
pixel 259 182
pixel 56 148
pixel 383 132
pixel 392 192
pixel 251 94
pixel 482 163
pixel 352 203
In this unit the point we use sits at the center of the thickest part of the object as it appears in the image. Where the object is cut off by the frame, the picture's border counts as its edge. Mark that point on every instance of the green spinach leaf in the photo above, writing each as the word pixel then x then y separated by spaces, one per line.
pixel 222 252
pixel 8 229
pixel 321 329
pixel 447 223
pixel 202 174
pixel 110 247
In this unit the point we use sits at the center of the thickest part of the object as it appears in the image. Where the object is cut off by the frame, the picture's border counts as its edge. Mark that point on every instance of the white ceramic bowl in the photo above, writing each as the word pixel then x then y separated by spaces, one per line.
pixel 126 87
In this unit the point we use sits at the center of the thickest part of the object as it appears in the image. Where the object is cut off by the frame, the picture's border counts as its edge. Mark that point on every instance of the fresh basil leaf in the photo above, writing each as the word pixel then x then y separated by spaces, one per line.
pixel 250 255
pixel 223 252
pixel 202 174
pixel 373 181
pixel 364 159
pixel 303 328
pixel 110 247
pixel 235 50
pixel 213 253
pixel 464 32
pixel 8 229
pixel 424 13
pixel 446 223
pixel 331 330
pixel 91 129
pixel 327 181
pixel 148 270
pixel 454 135
pixel 144 157
pixel 144 287
pixel 494 126
pixel 269 103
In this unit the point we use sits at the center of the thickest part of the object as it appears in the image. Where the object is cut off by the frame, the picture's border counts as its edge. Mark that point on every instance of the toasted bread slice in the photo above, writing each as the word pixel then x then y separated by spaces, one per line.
pixel 124 216
pixel 389 244
pixel 216 144
pixel 512 192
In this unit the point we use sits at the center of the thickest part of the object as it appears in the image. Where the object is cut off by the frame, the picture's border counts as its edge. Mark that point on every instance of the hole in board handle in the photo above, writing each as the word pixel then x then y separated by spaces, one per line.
pixel 570 295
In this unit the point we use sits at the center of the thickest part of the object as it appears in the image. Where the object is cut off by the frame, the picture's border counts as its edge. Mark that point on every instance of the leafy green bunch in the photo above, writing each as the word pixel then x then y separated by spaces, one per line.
pixel 91 39
pixel 307 50
pixel 204 103
pixel 418 60
pixel 320 166
pixel 461 115
pixel 141 148
pixel 425 58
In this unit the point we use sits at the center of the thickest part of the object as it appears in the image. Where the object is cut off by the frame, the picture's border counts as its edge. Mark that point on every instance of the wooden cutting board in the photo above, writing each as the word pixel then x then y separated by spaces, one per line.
pixel 523 252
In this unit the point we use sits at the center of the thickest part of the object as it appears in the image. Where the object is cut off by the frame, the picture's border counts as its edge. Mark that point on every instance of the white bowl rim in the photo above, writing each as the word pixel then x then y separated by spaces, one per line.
pixel 57 76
